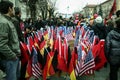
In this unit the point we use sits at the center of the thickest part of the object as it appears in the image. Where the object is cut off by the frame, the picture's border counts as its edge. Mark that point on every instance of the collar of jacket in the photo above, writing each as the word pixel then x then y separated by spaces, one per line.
pixel 7 17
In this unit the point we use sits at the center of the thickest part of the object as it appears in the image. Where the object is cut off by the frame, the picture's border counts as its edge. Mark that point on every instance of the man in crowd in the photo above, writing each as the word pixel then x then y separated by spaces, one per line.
pixel 17 22
pixel 112 50
pixel 9 43
pixel 99 28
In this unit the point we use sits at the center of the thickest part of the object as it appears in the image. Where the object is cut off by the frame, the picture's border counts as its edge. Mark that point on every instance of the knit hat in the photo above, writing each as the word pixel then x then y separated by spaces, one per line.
pixel 99 19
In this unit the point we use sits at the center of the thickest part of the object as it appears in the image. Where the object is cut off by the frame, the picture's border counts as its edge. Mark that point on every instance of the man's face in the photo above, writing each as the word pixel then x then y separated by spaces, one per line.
pixel 11 11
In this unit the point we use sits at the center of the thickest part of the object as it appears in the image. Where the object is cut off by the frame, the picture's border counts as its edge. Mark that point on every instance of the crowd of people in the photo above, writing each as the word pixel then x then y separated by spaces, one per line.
pixel 13 30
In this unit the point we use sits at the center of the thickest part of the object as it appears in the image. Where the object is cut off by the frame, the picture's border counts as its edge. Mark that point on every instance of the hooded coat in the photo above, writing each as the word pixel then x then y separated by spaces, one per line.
pixel 112 47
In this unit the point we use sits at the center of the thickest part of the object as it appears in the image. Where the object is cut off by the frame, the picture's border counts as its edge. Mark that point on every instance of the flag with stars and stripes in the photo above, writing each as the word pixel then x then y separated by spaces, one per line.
pixel 88 64
pixel 36 68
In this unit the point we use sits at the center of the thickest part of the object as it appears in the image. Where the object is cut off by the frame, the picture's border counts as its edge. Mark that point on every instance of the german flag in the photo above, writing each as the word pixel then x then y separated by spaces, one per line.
pixel 48 68
pixel 42 46
pixel 72 66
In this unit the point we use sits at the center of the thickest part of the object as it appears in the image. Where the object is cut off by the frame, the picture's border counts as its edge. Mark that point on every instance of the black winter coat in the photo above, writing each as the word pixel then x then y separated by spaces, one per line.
pixel 112 47
pixel 100 30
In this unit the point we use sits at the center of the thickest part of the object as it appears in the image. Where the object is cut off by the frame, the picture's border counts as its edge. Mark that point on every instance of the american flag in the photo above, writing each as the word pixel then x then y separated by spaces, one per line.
pixel 36 69
pixel 77 36
pixel 91 36
pixel 79 62
pixel 68 34
pixel 69 37
pixel 88 64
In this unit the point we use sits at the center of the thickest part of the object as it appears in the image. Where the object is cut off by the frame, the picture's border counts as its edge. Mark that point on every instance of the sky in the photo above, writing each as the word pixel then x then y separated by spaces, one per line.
pixel 70 6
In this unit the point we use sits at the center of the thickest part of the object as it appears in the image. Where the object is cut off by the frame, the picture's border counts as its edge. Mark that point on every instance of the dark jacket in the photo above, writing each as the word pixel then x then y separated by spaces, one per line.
pixel 109 28
pixel 112 46
pixel 99 30
pixel 16 21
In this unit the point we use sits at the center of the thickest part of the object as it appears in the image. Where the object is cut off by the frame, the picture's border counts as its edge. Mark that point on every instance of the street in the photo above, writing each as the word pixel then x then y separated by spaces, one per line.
pixel 99 75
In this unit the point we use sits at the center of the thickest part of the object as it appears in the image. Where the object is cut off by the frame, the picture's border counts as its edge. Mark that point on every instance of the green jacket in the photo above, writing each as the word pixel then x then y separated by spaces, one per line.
pixel 2 74
pixel 9 43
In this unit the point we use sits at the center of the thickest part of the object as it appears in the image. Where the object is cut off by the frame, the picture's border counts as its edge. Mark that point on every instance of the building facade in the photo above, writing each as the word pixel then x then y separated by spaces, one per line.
pixel 106 6
pixel 88 10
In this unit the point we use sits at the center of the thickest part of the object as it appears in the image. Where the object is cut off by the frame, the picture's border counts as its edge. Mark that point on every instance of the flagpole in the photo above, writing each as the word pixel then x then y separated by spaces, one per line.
pixel 67 9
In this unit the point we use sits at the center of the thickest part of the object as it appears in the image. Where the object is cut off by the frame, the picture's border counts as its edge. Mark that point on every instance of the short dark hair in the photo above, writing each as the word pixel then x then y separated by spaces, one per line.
pixel 118 13
pixel 17 10
pixel 117 21
pixel 4 6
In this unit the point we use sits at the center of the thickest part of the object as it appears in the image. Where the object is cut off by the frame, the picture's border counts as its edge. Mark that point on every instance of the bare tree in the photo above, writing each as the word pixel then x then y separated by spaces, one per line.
pixel 52 7
pixel 42 7
pixel 32 6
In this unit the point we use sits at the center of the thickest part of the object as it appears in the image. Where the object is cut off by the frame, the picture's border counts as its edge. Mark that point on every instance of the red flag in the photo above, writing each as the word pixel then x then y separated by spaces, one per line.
pixel 113 9
pixel 30 43
pixel 29 69
pixel 36 39
pixel 65 49
pixel 24 53
pixel 61 64
pixel 99 55
pixel 56 44
pixel 61 61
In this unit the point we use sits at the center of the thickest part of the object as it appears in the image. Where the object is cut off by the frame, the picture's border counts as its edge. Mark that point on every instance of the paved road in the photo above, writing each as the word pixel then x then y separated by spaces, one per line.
pixel 103 74
pixel 99 75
